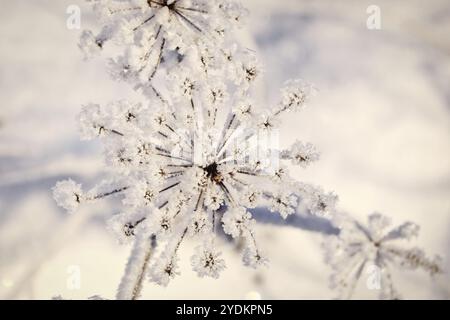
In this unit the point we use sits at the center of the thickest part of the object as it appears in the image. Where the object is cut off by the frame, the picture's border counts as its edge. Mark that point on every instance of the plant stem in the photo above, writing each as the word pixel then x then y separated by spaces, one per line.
pixel 131 284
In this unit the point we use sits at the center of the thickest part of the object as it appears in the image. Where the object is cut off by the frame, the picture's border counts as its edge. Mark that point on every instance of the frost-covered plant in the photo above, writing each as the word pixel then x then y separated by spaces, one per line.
pixel 358 247
pixel 196 165
pixel 150 34
pixel 199 156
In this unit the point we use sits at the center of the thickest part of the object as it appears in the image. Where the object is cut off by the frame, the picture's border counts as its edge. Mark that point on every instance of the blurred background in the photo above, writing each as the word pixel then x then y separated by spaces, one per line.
pixel 381 121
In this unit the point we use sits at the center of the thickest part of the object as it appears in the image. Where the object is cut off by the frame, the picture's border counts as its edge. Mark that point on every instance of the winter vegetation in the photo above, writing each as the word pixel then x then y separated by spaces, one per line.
pixel 195 166
pixel 199 154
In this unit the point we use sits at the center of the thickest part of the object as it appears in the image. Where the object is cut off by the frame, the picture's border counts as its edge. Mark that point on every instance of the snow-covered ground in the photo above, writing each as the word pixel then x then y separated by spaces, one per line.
pixel 381 121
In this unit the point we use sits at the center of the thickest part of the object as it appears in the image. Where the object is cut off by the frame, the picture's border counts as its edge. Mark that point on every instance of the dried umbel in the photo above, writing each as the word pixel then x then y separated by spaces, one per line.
pixel 150 35
pixel 189 168
pixel 199 156
pixel 358 247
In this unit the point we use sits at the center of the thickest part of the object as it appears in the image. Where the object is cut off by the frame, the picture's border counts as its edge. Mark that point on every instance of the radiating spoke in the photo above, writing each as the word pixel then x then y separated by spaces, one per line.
pixel 188 21
pixel 143 23
pixel 192 9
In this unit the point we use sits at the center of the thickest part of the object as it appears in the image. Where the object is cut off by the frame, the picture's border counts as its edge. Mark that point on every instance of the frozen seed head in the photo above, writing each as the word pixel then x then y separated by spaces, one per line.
pixel 206 261
pixel 302 154
pixel 295 95
pixel 68 195
pixel 359 247
pixel 188 168
pixel 164 34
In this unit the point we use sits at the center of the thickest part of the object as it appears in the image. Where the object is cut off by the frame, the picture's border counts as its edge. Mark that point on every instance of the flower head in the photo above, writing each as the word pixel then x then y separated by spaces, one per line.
pixel 160 34
pixel 358 247
pixel 68 195
pixel 187 168
pixel 206 261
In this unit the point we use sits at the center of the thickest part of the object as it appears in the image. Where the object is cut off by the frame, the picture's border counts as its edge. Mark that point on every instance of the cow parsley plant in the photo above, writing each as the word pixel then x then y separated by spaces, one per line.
pixel 190 168
pixel 359 246
pixel 198 156
pixel 149 35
